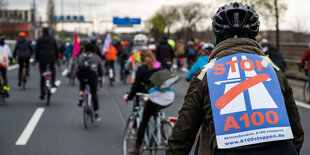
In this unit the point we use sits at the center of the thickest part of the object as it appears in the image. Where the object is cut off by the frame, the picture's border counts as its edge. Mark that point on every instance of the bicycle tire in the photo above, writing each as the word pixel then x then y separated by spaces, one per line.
pixel 129 138
pixel 166 129
pixel 1 90
pixel 24 83
pixel 110 82
pixel 85 117
pixel 48 98
pixel 306 92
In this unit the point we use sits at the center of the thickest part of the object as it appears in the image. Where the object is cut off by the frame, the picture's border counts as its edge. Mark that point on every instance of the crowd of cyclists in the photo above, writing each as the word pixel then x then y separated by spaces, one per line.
pixel 142 57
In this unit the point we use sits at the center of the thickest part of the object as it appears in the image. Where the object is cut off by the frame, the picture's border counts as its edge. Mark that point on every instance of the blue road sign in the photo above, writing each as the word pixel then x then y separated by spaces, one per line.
pixel 126 21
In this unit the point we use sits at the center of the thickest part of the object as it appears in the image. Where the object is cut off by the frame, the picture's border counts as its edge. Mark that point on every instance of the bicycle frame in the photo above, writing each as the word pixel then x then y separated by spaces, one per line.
pixel 87 92
pixel 156 125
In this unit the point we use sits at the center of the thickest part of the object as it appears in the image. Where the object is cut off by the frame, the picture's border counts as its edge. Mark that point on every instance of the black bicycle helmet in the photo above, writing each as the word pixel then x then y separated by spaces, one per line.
pixel 235 19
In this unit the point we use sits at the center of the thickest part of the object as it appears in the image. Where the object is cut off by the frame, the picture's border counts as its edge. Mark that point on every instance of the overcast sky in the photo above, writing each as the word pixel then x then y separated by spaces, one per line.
pixel 298 12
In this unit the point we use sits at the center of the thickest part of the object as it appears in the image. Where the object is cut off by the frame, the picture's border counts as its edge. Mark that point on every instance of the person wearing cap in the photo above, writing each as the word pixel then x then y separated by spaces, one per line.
pixel 22 54
pixel 5 56
pixel 225 99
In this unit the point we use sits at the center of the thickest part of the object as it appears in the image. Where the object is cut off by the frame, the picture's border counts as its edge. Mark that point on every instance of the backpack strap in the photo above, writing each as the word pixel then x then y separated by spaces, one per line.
pixel 266 61
pixel 206 68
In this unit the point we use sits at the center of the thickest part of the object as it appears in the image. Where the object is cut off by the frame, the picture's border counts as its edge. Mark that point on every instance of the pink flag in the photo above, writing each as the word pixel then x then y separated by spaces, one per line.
pixel 76 46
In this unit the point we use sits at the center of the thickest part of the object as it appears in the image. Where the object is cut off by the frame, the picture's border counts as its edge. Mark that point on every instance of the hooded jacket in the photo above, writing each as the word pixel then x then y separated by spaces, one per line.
pixel 46 50
pixel 196 113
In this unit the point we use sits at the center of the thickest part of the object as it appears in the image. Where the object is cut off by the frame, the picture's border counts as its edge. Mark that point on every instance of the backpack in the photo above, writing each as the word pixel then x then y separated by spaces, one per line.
pixel 191 51
pixel 85 62
pixel 164 79
pixel 4 60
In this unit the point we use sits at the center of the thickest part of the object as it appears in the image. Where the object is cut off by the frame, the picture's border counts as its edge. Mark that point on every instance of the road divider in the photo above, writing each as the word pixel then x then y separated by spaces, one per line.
pixel 24 137
pixel 12 67
pixel 302 104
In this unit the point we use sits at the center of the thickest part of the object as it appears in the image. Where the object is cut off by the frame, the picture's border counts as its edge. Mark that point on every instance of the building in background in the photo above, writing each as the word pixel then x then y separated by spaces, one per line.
pixel 14 21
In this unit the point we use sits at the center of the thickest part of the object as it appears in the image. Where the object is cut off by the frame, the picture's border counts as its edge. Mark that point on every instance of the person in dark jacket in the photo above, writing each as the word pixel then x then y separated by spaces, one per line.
pixel 201 113
pixel 165 53
pixel 46 55
pixel 274 54
pixel 22 53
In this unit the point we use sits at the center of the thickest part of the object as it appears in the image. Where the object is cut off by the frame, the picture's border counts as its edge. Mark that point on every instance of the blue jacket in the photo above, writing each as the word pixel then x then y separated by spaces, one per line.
pixel 68 51
pixel 202 61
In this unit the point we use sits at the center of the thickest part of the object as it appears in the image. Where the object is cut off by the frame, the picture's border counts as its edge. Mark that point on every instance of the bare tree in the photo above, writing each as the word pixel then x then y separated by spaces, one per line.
pixel 3 4
pixel 192 13
pixel 171 15
pixel 50 11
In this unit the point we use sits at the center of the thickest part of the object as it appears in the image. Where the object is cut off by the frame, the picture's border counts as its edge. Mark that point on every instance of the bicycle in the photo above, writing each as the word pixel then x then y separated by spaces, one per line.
pixel 24 76
pixel 87 108
pixel 2 96
pixel 156 134
pixel 48 87
pixel 72 74
pixel 306 92
pixel 111 76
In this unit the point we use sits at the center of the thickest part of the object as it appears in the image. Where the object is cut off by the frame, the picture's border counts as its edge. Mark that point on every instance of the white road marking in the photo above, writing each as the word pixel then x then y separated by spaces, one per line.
pixel 24 137
pixel 12 67
pixel 302 104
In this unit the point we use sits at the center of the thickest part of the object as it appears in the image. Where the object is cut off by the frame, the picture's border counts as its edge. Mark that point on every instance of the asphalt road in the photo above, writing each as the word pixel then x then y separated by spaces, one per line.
pixel 60 131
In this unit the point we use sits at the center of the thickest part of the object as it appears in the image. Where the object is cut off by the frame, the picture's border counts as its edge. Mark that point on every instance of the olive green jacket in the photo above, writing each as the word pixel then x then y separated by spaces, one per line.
pixel 196 113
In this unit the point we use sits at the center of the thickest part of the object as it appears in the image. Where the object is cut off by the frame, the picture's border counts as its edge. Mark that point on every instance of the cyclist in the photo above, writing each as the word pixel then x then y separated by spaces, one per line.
pixel 46 54
pixel 68 53
pixel 149 67
pixel 165 53
pixel 5 55
pixel 306 57
pixel 274 54
pixel 123 56
pixel 206 50
pixel 236 26
pixel 89 68
pixel 94 42
pixel 190 53
pixel 152 45
pixel 22 53
pixel 134 60
pixel 110 57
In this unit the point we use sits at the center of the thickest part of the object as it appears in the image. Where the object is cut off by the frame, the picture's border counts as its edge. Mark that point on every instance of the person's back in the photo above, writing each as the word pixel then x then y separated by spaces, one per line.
pixel 23 49
pixel 239 104
pixel 46 49
pixel 164 51
pixel 276 57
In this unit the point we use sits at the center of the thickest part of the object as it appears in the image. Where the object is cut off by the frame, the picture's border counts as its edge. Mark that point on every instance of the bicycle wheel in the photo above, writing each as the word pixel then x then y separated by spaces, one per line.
pixel 48 98
pixel 130 134
pixel 306 92
pixel 1 91
pixel 24 80
pixel 85 111
pixel 166 129
pixel 159 148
